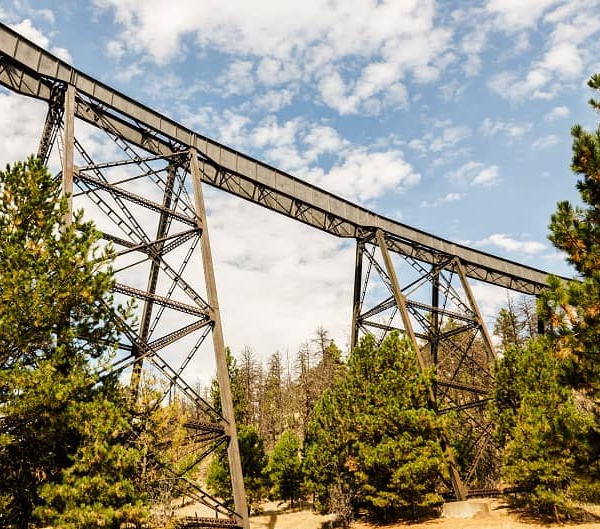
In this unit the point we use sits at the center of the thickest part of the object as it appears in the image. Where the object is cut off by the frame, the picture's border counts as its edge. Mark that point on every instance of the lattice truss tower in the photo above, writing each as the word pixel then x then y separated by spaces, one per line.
pixel 434 306
pixel 150 208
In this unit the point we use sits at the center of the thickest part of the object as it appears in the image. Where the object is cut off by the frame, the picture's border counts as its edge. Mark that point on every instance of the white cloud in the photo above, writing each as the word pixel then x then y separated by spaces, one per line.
pixel 557 113
pixel 62 53
pixel 486 177
pixel 563 59
pixel 449 137
pixel 273 101
pixel 510 129
pixel 365 175
pixel 21 122
pixel 115 49
pixel 567 51
pixel 490 300
pixel 291 278
pixel 450 197
pixel 238 79
pixel 507 243
pixel 129 72
pixel 274 71
pixel 26 28
pixel 452 91
pixel 323 139
pixel 296 146
pixel 575 22
pixel 475 174
pixel 545 141
pixel 472 45
pixel 333 91
pixel 443 140
pixel 508 85
pixel 373 91
pixel 299 42
pixel 418 145
pixel 515 15
pixel 25 10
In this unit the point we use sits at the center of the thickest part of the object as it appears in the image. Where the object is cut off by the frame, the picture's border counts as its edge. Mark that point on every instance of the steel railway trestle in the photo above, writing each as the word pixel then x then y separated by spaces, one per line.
pixel 405 279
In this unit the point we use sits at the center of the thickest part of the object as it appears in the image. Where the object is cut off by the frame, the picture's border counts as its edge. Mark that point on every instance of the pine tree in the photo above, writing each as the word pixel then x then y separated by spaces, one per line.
pixel 285 467
pixel 238 390
pixel 547 392
pixel 374 433
pixel 101 488
pixel 541 428
pixel 572 310
pixel 251 445
pixel 57 324
pixel 272 402
pixel 254 463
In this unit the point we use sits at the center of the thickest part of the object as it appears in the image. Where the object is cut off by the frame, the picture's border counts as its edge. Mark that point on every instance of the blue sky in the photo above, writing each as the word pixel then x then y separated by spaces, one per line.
pixel 452 117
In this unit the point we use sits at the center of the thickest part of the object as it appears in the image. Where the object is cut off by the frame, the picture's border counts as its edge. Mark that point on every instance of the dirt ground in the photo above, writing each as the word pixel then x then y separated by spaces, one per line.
pixel 498 517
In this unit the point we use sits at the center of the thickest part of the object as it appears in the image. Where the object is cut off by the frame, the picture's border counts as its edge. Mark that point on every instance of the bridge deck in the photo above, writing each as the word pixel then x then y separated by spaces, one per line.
pixel 30 70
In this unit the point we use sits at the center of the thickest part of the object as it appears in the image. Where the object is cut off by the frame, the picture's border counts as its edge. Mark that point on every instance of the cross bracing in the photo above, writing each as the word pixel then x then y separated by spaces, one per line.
pixel 148 195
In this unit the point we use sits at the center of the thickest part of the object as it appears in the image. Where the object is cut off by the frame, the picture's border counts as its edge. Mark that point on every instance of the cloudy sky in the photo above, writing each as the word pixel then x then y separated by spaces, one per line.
pixel 452 117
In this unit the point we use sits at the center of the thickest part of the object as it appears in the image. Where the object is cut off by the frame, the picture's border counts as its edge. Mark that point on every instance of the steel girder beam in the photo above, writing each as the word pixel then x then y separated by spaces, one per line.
pixel 444 324
pixel 30 70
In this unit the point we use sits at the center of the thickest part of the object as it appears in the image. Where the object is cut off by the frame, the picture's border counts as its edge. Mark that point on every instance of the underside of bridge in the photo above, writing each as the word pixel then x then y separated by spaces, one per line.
pixel 140 176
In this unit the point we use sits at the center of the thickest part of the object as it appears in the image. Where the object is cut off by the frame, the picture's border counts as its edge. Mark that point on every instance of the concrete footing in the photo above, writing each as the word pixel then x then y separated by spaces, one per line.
pixel 465 509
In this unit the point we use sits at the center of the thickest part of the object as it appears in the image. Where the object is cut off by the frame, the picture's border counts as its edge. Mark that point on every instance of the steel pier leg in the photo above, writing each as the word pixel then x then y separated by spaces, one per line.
pixel 68 150
pixel 235 462
pixel 459 487
pixel 360 248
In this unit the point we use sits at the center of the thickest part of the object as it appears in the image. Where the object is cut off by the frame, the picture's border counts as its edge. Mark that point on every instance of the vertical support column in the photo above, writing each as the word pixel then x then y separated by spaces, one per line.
pixel 136 373
pixel 51 124
pixel 487 339
pixel 435 317
pixel 360 248
pixel 459 488
pixel 400 298
pixel 434 334
pixel 68 150
pixel 235 462
pixel 43 151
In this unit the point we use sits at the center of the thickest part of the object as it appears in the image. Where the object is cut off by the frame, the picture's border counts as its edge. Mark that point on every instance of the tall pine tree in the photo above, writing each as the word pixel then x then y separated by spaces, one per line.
pixel 548 392
pixel 540 427
pixel 285 467
pixel 61 428
pixel 572 310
